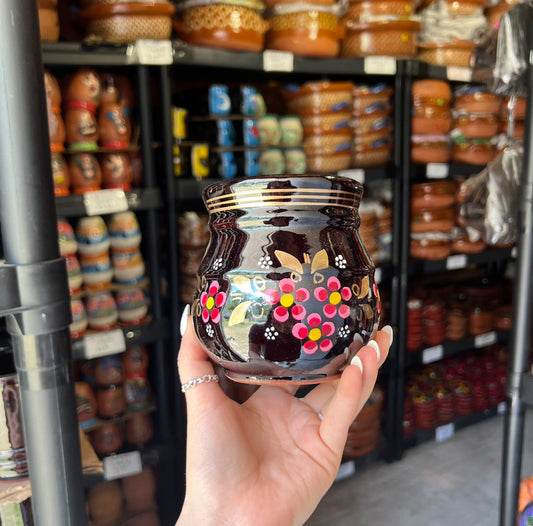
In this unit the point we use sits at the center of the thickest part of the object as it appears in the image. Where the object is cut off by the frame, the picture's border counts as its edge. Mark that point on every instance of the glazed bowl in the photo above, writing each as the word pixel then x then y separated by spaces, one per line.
pixel 286 291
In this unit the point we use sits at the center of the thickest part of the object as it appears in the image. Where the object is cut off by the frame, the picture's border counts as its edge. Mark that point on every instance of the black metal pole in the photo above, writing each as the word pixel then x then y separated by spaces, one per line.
pixel 40 335
pixel 521 333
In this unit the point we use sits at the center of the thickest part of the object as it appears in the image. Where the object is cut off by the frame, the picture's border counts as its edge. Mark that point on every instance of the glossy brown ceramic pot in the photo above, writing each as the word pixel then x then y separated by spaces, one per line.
pixel 285 285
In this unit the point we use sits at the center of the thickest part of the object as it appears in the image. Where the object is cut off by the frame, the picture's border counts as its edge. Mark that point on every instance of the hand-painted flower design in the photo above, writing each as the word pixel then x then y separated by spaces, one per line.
pixel 340 261
pixel 334 294
pixel 316 333
pixel 271 333
pixel 265 262
pixel 344 331
pixel 211 302
pixel 217 265
pixel 288 300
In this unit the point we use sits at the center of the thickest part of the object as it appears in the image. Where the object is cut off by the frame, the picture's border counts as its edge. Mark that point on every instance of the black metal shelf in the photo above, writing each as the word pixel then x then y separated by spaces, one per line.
pixel 421 172
pixel 458 261
pixel 137 199
pixel 451 348
pixel 77 54
pixel 421 436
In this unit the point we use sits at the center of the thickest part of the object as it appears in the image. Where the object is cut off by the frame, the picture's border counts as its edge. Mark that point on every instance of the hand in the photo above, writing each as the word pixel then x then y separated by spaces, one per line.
pixel 270 460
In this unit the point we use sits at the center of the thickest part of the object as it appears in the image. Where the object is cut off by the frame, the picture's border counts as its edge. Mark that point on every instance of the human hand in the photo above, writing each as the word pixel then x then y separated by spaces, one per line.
pixel 270 460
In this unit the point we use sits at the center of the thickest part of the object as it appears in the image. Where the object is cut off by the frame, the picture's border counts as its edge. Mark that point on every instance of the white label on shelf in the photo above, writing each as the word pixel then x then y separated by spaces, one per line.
pixel 122 465
pixel 444 432
pixel 514 252
pixel 433 354
pixel 378 275
pixel 150 52
pixel 501 408
pixel 346 469
pixel 459 73
pixel 105 202
pixel 456 261
pixel 483 340
pixel 103 344
pixel 357 174
pixel 380 65
pixel 437 170
pixel 278 60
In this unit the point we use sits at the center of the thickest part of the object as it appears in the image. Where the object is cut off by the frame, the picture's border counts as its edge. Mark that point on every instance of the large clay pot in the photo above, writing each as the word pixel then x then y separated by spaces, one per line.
pixel 285 285
pixel 114 126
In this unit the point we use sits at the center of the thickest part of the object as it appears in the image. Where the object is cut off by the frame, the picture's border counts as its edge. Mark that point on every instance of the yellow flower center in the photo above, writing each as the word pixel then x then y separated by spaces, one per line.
pixel 314 334
pixel 335 298
pixel 210 303
pixel 287 300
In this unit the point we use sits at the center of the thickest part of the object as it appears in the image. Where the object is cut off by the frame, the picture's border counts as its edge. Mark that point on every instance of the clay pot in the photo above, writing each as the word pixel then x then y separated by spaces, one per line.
pixel 110 400
pixel 80 322
pixel 139 491
pixel 96 271
pixel 132 306
pixel 85 87
pixel 85 403
pixel 85 173
pixel 56 125
pixel 108 370
pixel 135 359
pixel 114 126
pixel 107 439
pixel 116 170
pixel 81 127
pixel 104 502
pixel 60 175
pixel 124 231
pixel 139 429
pixel 74 273
pixel 101 311
pixel 92 236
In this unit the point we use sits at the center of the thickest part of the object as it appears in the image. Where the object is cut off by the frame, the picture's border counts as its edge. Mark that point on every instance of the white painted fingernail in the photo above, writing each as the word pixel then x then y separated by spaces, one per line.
pixel 390 333
pixel 358 338
pixel 184 318
pixel 357 361
pixel 375 346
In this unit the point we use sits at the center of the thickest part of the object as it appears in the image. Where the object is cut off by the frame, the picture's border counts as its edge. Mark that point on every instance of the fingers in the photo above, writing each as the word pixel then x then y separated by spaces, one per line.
pixel 354 388
pixel 193 361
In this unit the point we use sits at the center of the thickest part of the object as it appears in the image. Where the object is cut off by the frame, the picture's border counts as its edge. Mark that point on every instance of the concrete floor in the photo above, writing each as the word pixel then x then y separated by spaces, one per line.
pixel 455 482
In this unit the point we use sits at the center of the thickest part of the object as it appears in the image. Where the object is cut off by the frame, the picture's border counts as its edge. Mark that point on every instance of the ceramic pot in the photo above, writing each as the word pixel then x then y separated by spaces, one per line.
pixel 60 175
pixel 84 86
pixel 85 404
pixel 81 127
pixel 285 285
pixel 116 170
pixel 85 173
pixel 114 126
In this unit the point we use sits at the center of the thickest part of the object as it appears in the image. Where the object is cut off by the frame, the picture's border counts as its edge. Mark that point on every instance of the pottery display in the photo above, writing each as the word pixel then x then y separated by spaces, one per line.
pixel 96 271
pixel 132 306
pixel 85 404
pixel 60 175
pixel 280 299
pixel 128 266
pixel 80 322
pixel 92 236
pixel 101 311
pixel 85 173
pixel 114 126
pixel 117 171
pixel 124 230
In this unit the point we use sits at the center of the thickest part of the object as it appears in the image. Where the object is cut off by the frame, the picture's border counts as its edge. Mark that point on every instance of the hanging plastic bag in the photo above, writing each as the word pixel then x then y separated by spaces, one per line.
pixel 490 204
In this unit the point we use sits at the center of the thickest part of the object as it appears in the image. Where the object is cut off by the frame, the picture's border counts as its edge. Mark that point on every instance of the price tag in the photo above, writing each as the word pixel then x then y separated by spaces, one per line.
pixel 357 174
pixel 105 202
pixel 278 60
pixel 483 340
pixel 380 65
pixel 378 275
pixel 103 344
pixel 459 73
pixel 346 469
pixel 437 170
pixel 444 432
pixel 501 408
pixel 122 465
pixel 433 354
pixel 151 52
pixel 456 261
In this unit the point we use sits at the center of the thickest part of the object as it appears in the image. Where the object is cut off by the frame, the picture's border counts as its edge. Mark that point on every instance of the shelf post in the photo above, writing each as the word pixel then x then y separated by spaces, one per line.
pixel 39 329
pixel 521 332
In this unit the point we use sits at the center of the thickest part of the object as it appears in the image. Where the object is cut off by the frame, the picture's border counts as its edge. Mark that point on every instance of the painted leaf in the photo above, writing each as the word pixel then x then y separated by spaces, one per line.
pixel 365 287
pixel 289 261
pixel 243 284
pixel 239 313
pixel 320 261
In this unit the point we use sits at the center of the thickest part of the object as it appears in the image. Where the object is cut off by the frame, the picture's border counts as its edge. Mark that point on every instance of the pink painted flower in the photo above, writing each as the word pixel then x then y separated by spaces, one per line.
pixel 315 332
pixel 212 301
pixel 334 294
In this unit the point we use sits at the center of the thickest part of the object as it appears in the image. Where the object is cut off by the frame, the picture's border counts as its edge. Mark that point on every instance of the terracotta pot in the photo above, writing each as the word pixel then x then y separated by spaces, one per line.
pixel 124 22
pixel 319 97
pixel 225 26
pixel 107 439
pixel 85 173
pixel 60 175
pixel 81 127
pixel 116 170
pixel 289 314
pixel 446 53
pixel 114 126
pixel 433 194
pixel 305 33
pixel 393 38
pixel 84 86
pixel 366 8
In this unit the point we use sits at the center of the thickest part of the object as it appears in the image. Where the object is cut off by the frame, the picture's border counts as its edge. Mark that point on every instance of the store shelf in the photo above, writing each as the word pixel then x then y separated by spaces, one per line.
pixel 459 261
pixel 78 54
pixel 422 172
pixel 136 335
pixel 135 200
pixel 453 73
pixel 526 389
pixel 451 348
pixel 446 431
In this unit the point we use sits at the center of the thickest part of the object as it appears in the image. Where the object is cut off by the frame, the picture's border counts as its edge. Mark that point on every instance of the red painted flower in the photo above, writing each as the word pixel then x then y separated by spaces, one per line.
pixel 212 301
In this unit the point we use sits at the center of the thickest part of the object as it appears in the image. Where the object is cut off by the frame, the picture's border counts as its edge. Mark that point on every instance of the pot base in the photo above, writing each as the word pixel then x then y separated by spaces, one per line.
pixel 296 379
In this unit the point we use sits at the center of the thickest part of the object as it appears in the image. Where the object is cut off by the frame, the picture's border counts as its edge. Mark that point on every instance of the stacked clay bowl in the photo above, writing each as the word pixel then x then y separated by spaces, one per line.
pixel 431 121
pixel 432 219
pixel 365 433
pixel 328 147
pixel 311 28
pixel 382 27
pixel 476 122
pixel 121 22
pixel 372 124
pixel 48 20
pixel 237 26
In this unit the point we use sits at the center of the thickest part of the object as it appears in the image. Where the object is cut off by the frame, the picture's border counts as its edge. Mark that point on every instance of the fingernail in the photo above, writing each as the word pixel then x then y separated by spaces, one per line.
pixel 358 338
pixel 375 346
pixel 357 361
pixel 390 332
pixel 184 318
